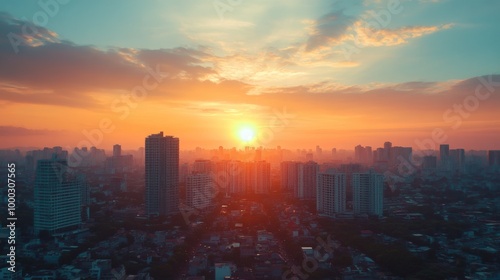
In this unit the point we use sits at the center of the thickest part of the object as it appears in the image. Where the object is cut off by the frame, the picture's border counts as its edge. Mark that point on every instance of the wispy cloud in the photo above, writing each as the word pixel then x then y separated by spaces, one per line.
pixel 330 29
pixel 373 37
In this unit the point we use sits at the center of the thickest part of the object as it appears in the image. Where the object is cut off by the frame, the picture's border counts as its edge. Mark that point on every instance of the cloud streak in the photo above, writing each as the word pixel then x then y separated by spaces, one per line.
pixel 16 131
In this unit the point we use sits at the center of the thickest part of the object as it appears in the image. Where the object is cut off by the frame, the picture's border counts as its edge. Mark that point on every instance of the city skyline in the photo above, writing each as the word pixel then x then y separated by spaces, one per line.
pixel 237 139
pixel 288 73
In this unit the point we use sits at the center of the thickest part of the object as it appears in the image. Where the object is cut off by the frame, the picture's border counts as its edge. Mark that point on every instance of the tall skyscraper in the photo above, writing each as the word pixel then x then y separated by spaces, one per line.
pixel 162 174
pixel 117 150
pixel 300 178
pixel 57 197
pixel 388 151
pixel 444 156
pixel 368 193
pixel 457 160
pixel 258 177
pixel 308 180
pixel 289 175
pixel 331 193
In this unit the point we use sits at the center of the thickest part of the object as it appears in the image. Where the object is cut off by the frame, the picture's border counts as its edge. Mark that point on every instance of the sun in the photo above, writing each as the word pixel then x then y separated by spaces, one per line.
pixel 246 134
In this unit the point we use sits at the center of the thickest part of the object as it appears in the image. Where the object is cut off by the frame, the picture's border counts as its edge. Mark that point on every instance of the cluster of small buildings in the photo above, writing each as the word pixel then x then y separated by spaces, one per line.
pixel 126 246
pixel 237 249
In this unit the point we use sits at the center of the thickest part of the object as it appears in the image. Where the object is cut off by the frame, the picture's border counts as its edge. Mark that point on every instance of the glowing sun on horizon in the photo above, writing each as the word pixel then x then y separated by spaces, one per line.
pixel 246 133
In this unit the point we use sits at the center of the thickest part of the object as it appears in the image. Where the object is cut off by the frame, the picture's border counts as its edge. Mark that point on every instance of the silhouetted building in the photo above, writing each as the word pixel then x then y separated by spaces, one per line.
pixel 258 177
pixel 32 157
pixel 300 178
pixel 400 156
pixel 494 158
pixel 387 151
pixel 119 163
pixel 363 154
pixel 444 156
pixel 307 180
pixel 230 176
pixel 203 166
pixel 289 175
pixel 457 160
pixel 117 150
pixel 162 174
pixel 429 163
pixel 200 190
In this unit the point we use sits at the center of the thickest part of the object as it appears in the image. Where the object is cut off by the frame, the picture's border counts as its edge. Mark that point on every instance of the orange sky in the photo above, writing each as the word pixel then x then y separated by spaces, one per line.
pixel 288 78
pixel 209 114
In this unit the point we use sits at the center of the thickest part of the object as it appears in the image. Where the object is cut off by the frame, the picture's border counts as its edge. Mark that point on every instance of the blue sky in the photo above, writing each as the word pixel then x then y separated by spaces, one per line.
pixel 468 48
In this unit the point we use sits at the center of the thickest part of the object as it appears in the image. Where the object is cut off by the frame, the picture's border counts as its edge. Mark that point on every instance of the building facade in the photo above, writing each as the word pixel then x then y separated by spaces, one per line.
pixel 162 175
pixel 58 197
pixel 331 193
pixel 368 193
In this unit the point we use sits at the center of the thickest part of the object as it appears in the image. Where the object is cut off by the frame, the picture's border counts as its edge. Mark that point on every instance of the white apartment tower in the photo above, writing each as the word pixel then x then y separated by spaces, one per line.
pixel 331 193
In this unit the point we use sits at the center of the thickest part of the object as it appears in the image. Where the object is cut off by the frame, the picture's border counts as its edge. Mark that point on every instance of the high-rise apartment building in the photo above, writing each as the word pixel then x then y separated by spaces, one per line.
pixel 444 156
pixel 457 160
pixel 258 177
pixel 162 174
pixel 58 197
pixel 331 193
pixel 363 154
pixel 200 190
pixel 289 175
pixel 300 178
pixel 368 193
pixel 229 176
pixel 307 180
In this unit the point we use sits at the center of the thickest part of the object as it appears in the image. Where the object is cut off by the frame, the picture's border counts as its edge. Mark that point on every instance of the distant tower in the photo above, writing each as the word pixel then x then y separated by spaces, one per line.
pixel 307 186
pixel 200 190
pixel 444 156
pixel 457 160
pixel 494 158
pixel 289 175
pixel 258 177
pixel 331 193
pixel 57 197
pixel 387 151
pixel 162 175
pixel 203 166
pixel 117 150
pixel 368 193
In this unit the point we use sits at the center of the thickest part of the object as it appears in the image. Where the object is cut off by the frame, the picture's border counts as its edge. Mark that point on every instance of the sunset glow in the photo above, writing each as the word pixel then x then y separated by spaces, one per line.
pixel 195 71
pixel 240 139
pixel 246 134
